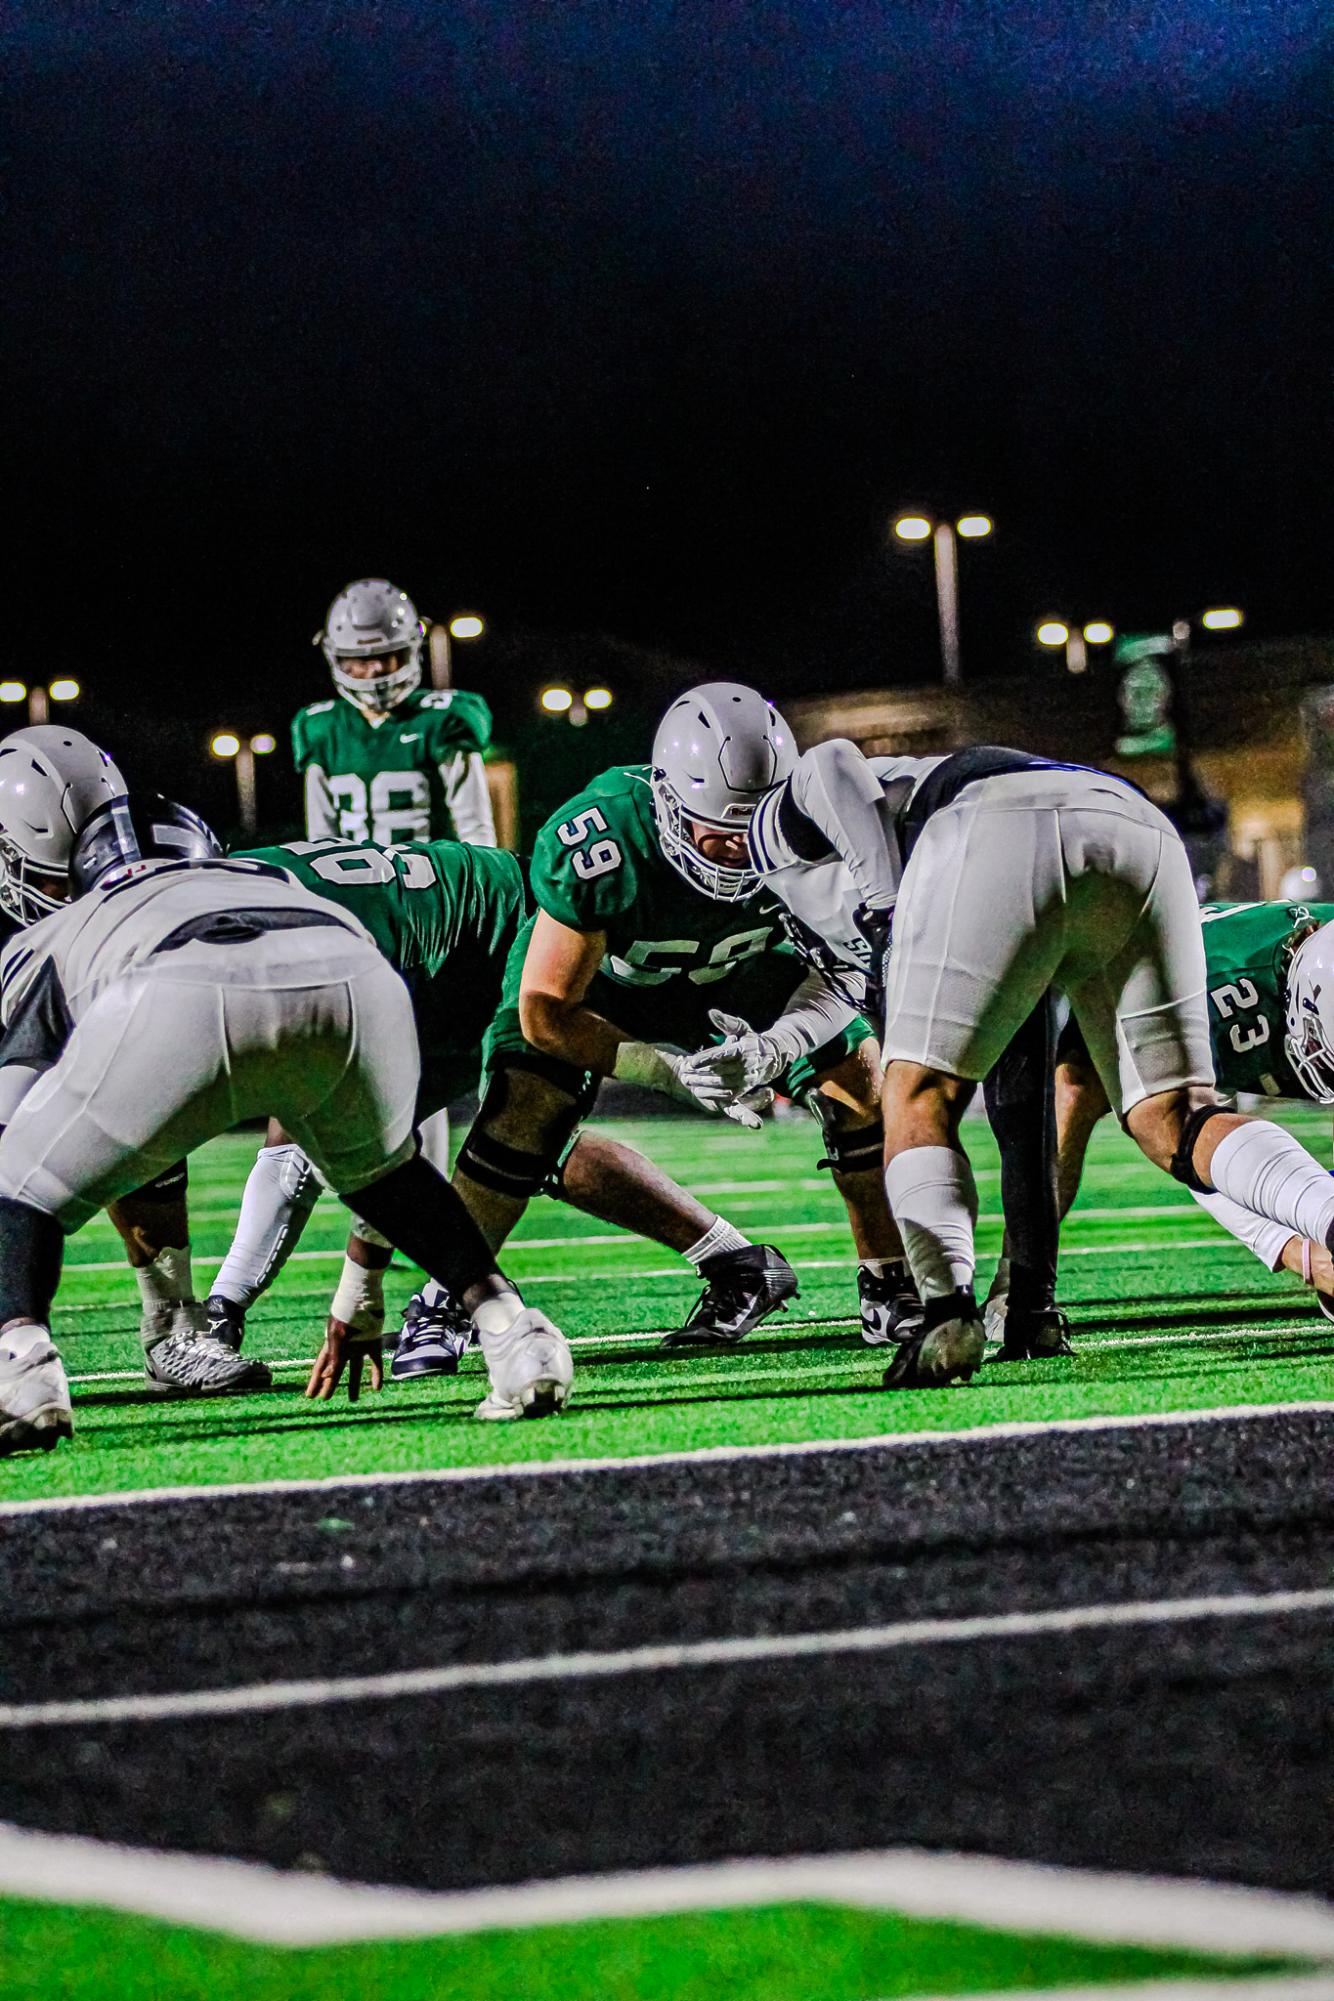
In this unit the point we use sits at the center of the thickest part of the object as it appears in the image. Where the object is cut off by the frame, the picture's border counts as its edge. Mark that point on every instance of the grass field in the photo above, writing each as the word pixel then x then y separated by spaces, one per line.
pixel 777 1613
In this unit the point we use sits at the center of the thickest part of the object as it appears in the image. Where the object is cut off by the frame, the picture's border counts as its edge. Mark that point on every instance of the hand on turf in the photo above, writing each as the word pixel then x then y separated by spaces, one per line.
pixel 345 1348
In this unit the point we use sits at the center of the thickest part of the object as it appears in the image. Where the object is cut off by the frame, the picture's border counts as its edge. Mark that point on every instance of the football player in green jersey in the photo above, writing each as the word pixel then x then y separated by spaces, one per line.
pixel 1271 1026
pixel 628 965
pixel 446 916
pixel 388 760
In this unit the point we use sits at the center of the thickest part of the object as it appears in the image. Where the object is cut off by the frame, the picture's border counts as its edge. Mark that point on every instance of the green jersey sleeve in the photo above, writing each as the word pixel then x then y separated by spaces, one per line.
pixel 310 729
pixel 589 857
pixel 455 720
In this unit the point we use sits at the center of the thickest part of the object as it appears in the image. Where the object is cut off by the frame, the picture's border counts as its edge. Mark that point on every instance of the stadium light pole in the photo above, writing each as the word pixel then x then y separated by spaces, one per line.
pixel 944 536
pixel 464 625
pixel 244 750
pixel 63 689
pixel 1054 632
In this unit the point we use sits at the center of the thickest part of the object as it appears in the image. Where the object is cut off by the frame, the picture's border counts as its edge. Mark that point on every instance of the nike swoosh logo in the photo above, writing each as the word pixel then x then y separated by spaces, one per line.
pixel 414 737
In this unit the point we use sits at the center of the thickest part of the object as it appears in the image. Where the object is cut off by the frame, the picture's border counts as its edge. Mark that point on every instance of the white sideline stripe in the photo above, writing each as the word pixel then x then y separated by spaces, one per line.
pixel 868 1352
pixel 257 1698
pixel 278 1907
pixel 797 1448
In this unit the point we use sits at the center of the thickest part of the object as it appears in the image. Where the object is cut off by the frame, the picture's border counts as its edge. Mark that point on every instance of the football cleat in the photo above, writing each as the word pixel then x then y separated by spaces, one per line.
pixel 741 1288
pixel 34 1395
pixel 949 1345
pixel 433 1340
pixel 226 1321
pixel 190 1360
pixel 1034 1335
pixel 531 1369
pixel 890 1306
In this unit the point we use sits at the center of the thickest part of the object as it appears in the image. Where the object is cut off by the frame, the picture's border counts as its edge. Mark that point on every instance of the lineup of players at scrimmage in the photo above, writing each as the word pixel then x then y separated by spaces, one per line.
pixel 873 938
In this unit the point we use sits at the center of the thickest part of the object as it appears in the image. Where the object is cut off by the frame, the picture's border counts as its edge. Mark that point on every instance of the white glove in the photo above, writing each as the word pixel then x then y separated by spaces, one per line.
pixel 744 1060
pixel 672 1073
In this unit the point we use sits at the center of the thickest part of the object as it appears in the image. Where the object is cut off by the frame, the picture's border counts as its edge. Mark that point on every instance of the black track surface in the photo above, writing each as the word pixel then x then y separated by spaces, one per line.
pixel 1195 1748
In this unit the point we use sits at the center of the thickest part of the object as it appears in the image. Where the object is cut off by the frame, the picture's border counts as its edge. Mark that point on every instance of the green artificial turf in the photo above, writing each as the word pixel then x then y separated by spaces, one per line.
pixel 796 1952
pixel 1169 1313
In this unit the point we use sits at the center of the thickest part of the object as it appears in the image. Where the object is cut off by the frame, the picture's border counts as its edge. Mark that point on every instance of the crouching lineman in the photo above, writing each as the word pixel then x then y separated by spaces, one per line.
pixel 1270 986
pixel 1005 876
pixel 638 943
pixel 177 993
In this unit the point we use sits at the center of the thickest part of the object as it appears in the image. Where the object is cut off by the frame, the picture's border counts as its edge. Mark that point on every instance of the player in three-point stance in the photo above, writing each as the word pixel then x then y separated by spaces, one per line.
pixel 176 993
pixel 1003 876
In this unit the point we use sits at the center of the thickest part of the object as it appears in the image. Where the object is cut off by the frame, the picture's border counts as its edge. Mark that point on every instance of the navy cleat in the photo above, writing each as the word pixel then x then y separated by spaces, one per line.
pixel 226 1321
pixel 889 1303
pixel 741 1288
pixel 432 1341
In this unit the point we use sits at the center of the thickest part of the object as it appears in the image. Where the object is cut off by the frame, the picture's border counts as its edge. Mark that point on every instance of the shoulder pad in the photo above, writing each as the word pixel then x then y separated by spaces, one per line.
pixel 461 720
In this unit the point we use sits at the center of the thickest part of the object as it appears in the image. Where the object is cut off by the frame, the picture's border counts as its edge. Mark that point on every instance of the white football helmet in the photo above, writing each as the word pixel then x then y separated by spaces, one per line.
pixel 1309 1042
pixel 365 622
pixel 718 750
pixel 51 780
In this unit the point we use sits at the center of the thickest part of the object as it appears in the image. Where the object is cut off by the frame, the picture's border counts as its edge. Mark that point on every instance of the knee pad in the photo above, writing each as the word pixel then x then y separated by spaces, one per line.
pixel 849 1149
pixel 524 1171
pixel 294 1173
pixel 31 1247
pixel 168 1186
pixel 1182 1170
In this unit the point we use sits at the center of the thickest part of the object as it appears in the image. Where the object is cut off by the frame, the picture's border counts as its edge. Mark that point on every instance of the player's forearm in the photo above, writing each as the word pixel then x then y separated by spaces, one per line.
pixel 837 791
pixel 813 1016
pixel 570 1032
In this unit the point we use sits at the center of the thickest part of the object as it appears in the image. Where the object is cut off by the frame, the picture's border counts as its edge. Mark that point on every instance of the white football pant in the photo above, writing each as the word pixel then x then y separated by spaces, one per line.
pixel 311 1025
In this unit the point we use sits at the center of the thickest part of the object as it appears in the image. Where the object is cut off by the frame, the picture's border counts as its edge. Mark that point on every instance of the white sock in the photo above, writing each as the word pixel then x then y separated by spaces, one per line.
pixel 1269 1172
pixel 280 1193
pixel 167 1279
pixel 360 1290
pixel 933 1200
pixel 497 1314
pixel 720 1236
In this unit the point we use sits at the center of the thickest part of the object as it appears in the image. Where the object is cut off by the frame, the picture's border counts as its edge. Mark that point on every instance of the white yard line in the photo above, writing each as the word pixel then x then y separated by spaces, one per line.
pixel 260 1698
pixel 296 1908
pixel 979 1434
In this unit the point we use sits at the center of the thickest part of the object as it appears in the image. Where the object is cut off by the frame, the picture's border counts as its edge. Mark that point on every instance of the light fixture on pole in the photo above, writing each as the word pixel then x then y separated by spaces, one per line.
pixel 464 625
pixel 943 536
pixel 63 689
pixel 1054 632
pixel 227 744
pixel 558 700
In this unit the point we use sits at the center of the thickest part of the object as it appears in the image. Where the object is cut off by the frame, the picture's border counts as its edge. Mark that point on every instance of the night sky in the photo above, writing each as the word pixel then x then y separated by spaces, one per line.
pixel 642 319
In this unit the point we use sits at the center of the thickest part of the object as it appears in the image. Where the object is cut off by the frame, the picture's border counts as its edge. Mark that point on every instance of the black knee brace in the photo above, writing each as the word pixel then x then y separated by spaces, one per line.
pixel 31 1247
pixel 164 1187
pixel 850 1149
pixel 1182 1167
pixel 523 1172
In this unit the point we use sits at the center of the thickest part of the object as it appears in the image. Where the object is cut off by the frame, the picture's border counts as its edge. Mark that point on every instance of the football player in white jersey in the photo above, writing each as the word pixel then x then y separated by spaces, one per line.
pixel 175 994
pixel 1005 876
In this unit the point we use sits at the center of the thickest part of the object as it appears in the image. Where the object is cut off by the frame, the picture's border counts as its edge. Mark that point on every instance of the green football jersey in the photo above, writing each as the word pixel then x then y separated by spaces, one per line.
pixel 445 914
pixel 1246 949
pixel 384 777
pixel 672 953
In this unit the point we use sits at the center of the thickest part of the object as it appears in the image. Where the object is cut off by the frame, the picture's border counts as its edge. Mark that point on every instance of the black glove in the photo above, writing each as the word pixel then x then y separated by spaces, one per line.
pixel 875 927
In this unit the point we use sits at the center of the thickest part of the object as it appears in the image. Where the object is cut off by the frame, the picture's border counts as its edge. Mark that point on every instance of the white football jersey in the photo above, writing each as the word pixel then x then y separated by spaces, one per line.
pixel 67 959
pixel 854 802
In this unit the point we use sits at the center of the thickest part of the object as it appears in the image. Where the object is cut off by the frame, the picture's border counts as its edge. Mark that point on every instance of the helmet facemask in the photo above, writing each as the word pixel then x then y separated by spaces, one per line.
pixel 377 694
pixel 723 881
pixel 20 895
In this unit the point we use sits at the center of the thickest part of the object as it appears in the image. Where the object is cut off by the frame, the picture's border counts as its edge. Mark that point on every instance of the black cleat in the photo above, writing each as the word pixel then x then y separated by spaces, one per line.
pixel 1034 1335
pixel 949 1344
pixel 890 1306
pixel 741 1288
pixel 226 1321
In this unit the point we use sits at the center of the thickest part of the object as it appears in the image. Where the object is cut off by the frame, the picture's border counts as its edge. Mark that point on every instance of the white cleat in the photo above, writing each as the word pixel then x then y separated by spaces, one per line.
pixel 34 1394
pixel 531 1370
